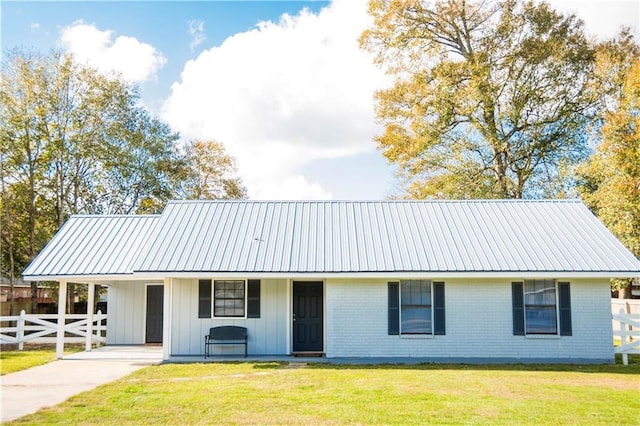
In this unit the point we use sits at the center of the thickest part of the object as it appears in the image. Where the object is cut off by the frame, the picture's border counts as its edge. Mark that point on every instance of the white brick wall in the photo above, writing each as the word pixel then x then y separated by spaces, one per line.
pixel 478 323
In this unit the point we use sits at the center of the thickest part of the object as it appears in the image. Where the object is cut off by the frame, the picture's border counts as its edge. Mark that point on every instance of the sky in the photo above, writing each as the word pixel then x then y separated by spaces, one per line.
pixel 282 84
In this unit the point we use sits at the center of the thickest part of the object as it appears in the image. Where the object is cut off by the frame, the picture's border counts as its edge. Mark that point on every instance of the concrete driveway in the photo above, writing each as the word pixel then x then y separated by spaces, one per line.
pixel 27 391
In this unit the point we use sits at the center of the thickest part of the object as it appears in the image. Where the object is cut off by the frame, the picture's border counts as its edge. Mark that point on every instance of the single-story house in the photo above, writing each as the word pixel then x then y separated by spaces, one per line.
pixel 459 281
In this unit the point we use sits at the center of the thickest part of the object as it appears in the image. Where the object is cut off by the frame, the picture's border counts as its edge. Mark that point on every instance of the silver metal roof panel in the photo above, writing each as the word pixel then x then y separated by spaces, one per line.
pixel 339 237
pixel 94 245
pixel 360 236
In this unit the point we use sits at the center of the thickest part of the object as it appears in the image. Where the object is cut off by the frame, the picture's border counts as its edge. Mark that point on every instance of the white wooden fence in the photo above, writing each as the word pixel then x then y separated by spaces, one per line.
pixel 628 332
pixel 44 328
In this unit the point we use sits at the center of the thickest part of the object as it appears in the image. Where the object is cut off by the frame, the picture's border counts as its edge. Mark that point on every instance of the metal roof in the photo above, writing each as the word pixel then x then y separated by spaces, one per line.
pixel 94 245
pixel 379 236
pixel 339 237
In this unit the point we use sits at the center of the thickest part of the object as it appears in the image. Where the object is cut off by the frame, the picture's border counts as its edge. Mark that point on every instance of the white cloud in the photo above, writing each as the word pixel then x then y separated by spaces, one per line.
pixel 134 60
pixel 35 26
pixel 283 95
pixel 289 93
pixel 296 187
pixel 603 18
pixel 196 31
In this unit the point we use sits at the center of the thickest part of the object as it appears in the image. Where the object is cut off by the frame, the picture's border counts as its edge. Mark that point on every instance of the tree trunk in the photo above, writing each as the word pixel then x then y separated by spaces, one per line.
pixel 71 300
pixel 625 292
pixel 34 297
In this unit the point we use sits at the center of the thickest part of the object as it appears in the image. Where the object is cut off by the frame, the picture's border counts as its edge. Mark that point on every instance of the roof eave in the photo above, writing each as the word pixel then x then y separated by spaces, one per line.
pixel 159 275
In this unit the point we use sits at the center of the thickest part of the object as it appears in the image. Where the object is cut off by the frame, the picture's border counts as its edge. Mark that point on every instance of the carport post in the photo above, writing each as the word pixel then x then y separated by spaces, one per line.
pixel 62 309
pixel 90 306
pixel 167 316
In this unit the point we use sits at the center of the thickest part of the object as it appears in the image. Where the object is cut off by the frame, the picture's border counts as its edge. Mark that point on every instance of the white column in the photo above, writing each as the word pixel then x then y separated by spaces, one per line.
pixel 62 309
pixel 166 318
pixel 90 304
pixel 289 309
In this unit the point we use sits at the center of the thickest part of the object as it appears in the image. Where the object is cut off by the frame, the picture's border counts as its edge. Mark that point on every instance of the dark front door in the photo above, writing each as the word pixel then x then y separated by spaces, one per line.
pixel 307 317
pixel 155 302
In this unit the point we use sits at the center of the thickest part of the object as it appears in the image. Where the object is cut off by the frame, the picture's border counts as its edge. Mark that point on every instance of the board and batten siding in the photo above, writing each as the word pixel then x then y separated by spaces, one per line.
pixel 478 324
pixel 126 304
pixel 267 334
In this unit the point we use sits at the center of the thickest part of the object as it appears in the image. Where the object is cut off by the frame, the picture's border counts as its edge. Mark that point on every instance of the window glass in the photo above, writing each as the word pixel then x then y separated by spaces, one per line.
pixel 415 307
pixel 229 300
pixel 540 306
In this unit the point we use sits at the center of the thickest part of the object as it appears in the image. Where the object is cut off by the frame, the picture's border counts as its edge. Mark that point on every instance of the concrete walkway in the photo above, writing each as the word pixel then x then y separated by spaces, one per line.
pixel 27 391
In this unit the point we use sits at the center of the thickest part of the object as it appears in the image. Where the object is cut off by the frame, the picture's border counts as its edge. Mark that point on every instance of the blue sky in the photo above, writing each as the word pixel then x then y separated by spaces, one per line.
pixel 163 24
pixel 282 84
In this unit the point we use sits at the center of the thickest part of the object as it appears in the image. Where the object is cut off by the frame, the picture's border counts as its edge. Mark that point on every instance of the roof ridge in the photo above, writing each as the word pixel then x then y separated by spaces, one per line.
pixel 476 200
pixel 133 215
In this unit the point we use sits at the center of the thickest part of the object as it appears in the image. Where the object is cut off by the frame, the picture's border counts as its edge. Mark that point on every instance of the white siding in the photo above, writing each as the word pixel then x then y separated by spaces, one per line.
pixel 267 334
pixel 478 324
pixel 126 302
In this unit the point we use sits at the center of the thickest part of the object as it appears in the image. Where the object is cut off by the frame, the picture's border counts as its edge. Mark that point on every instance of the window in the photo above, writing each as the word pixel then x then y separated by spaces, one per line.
pixel 540 307
pixel 415 307
pixel 228 298
pixel 537 304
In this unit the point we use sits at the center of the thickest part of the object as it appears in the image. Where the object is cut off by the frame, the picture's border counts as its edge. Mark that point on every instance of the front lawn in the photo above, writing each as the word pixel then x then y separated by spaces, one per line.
pixel 278 393
pixel 12 361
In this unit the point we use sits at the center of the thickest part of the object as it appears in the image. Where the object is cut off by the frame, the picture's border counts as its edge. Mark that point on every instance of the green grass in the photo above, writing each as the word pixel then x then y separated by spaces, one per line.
pixel 12 361
pixel 275 393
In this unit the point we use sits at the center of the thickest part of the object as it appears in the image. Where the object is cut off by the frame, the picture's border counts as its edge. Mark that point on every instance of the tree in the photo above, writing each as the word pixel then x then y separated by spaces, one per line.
pixel 490 99
pixel 212 172
pixel 73 140
pixel 23 149
pixel 67 134
pixel 609 182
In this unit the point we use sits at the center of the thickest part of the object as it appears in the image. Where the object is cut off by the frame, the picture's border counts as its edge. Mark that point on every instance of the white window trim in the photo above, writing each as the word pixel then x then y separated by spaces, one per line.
pixel 415 335
pixel 555 335
pixel 213 300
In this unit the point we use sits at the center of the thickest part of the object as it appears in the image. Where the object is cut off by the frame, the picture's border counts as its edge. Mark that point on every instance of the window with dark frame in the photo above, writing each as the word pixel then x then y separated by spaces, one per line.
pixel 229 298
pixel 540 307
pixel 415 307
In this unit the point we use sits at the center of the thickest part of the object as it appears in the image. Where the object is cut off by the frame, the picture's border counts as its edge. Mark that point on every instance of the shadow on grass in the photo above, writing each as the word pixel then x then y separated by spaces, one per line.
pixel 618 368
pixel 10 355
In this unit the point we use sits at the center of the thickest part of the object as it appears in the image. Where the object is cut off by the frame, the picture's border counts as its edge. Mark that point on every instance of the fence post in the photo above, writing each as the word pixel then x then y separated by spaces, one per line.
pixel 99 328
pixel 623 338
pixel 20 330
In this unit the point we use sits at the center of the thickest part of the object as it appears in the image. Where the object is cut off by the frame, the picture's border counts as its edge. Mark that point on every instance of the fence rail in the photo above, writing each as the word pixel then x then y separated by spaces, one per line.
pixel 43 328
pixel 628 332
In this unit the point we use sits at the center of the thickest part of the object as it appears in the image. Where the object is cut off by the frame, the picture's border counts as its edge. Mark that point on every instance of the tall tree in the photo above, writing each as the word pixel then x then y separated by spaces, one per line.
pixel 141 167
pixel 609 182
pixel 73 141
pixel 22 89
pixel 212 173
pixel 491 98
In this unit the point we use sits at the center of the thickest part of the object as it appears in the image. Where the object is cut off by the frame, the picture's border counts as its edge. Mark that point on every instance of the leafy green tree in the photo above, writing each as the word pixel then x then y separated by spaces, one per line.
pixel 73 140
pixel 490 99
pixel 68 132
pixel 212 173
pixel 609 182
pixel 24 159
